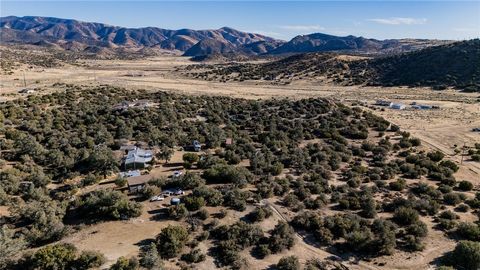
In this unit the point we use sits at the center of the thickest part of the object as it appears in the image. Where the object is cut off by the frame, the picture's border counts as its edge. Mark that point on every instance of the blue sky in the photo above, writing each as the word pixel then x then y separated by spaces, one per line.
pixel 283 20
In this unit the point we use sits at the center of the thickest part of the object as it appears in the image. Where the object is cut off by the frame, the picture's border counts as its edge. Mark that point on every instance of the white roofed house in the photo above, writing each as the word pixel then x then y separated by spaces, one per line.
pixel 138 158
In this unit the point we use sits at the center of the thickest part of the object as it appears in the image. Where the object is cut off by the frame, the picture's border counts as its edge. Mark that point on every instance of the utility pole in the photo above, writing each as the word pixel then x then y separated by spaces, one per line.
pixel 24 80
pixel 463 152
pixel 94 71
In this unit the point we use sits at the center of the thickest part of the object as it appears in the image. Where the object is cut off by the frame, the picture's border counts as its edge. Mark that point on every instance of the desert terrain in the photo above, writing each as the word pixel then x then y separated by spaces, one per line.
pixel 447 129
pixel 444 129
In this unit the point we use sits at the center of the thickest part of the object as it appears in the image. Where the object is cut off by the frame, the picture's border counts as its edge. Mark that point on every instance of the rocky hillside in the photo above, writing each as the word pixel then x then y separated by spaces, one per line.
pixel 318 42
pixel 76 35
pixel 455 65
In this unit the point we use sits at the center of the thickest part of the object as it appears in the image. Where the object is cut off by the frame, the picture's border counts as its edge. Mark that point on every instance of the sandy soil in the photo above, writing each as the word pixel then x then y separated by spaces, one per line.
pixel 120 238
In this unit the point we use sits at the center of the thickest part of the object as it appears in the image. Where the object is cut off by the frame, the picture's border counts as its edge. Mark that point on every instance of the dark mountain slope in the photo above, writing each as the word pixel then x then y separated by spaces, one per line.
pixel 455 65
pixel 209 46
pixel 322 42
pixel 319 42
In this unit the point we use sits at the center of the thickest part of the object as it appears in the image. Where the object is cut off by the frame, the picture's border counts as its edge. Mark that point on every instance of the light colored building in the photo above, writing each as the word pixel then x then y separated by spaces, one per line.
pixel 197 146
pixel 138 158
pixel 139 104
pixel 397 106
pixel 26 91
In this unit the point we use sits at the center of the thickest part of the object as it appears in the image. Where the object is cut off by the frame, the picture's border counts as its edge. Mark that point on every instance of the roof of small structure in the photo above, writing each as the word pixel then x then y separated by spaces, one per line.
pixel 138 180
pixel 139 155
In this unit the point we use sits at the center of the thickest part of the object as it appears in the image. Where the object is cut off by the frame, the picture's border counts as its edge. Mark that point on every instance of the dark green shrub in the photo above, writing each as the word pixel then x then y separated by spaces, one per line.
pixel 193 203
pixel 194 256
pixel 58 256
pixel 171 241
pixel 90 259
pixel 149 257
pixel 281 237
pixel 466 255
pixel 260 213
pixel 177 211
pixel 405 216
pixel 469 231
pixel 288 263
pixel 125 264
pixel 465 185
pixel 398 185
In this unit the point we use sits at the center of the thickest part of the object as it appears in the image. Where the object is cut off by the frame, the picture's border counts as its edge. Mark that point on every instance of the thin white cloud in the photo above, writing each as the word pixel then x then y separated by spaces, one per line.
pixel 399 21
pixel 338 32
pixel 466 30
pixel 266 33
pixel 302 27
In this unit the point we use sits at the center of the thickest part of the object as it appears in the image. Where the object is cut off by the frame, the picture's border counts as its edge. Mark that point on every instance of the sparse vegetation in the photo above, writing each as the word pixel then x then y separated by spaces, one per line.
pixel 313 159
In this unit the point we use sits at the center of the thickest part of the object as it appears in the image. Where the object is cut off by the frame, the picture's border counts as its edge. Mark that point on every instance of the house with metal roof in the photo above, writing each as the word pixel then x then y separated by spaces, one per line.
pixel 138 158
pixel 197 147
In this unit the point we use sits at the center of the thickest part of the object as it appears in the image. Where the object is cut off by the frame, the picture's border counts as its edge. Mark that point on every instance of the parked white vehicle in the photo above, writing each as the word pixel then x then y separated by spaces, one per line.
pixel 179 192
pixel 177 173
pixel 157 198
pixel 167 193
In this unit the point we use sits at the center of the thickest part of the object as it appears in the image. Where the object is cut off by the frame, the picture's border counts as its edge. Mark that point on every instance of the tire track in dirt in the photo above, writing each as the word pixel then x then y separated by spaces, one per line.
pixel 316 251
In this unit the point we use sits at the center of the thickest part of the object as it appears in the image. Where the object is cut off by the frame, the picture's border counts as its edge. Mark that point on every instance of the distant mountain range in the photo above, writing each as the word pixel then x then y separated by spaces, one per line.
pixel 85 36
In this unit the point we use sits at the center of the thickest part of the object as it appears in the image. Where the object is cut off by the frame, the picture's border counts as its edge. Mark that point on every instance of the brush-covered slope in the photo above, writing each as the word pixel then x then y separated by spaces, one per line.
pixel 455 65
pixel 318 42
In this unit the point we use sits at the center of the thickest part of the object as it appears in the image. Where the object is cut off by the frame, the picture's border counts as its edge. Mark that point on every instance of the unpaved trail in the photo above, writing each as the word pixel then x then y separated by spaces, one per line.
pixel 316 252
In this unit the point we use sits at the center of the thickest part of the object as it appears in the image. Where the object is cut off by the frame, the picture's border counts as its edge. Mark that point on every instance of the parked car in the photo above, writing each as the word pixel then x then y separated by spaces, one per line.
pixel 157 198
pixel 177 174
pixel 167 193
pixel 179 192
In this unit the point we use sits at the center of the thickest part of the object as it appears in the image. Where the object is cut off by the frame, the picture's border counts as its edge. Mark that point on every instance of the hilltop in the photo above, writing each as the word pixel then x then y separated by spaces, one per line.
pixel 76 35
pixel 318 42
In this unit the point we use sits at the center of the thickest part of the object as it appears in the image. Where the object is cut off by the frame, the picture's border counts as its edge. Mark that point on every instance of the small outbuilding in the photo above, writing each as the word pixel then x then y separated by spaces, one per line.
pixel 137 183
pixel 381 102
pixel 175 201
